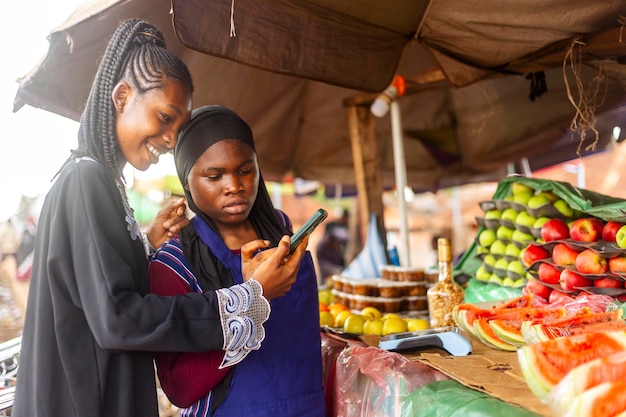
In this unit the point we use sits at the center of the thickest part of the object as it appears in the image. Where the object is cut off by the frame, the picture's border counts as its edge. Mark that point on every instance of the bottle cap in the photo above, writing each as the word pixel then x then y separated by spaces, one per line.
pixel 443 250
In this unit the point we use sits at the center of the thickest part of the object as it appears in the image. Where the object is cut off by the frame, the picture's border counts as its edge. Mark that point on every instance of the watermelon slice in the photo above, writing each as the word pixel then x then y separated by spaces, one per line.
pixel 485 334
pixel 605 400
pixel 582 322
pixel 586 376
pixel 508 330
pixel 545 364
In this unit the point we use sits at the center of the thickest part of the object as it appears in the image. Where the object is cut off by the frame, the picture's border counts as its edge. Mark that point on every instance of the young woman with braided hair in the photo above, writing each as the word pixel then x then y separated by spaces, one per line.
pixel 91 325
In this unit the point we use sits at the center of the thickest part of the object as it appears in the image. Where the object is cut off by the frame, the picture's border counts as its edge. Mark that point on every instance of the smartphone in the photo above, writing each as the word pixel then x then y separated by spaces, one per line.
pixel 307 228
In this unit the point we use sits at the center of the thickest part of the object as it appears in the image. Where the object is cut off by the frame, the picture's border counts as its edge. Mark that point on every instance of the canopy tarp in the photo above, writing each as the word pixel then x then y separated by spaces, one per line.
pixel 291 64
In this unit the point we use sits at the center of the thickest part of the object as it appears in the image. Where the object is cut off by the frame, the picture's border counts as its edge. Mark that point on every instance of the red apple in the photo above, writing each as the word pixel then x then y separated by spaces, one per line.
pixel 586 229
pixel 590 262
pixel 617 264
pixel 564 255
pixel 535 287
pixel 608 282
pixel 554 229
pixel 609 231
pixel 533 253
pixel 549 273
pixel 570 280
pixel 559 298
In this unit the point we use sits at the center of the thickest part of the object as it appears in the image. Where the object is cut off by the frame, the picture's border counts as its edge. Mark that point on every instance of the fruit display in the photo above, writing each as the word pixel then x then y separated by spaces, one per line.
pixel 368 321
pixel 527 319
pixel 584 255
pixel 509 225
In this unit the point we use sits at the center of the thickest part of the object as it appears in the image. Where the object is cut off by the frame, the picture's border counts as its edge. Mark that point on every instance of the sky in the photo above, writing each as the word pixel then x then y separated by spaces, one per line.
pixel 35 143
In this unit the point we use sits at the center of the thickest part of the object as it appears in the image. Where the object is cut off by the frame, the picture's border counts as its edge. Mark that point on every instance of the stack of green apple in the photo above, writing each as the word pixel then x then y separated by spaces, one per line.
pixel 511 224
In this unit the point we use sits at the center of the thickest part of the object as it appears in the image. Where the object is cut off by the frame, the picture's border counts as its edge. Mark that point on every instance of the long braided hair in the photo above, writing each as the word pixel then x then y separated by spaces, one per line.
pixel 137 53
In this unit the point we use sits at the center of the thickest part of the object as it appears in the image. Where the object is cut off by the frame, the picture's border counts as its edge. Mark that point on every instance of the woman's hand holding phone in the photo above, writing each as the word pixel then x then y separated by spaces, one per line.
pixel 274 268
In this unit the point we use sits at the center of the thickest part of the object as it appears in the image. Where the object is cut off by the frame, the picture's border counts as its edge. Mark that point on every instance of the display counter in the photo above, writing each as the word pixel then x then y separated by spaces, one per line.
pixel 363 380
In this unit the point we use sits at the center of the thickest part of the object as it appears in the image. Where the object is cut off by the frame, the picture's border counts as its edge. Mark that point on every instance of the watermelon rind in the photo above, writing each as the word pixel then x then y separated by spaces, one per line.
pixel 535 382
pixel 485 334
pixel 506 332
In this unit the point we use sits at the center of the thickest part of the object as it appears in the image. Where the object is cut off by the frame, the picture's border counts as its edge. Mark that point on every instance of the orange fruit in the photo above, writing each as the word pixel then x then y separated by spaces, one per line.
pixel 335 308
pixel 323 306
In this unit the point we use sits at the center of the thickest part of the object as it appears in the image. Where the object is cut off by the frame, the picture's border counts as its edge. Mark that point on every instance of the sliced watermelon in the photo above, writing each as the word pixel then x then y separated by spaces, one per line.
pixel 545 364
pixel 586 376
pixel 508 330
pixel 605 400
pixel 485 334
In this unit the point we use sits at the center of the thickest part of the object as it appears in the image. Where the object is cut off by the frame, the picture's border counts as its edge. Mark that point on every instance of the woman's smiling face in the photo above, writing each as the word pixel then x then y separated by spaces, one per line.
pixel 224 181
pixel 147 124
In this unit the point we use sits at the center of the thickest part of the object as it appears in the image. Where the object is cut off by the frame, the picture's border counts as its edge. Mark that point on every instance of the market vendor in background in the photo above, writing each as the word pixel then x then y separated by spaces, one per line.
pixel 217 165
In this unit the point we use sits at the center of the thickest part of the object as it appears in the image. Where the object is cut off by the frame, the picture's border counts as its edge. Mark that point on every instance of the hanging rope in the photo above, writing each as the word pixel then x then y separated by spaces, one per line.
pixel 587 99
pixel 233 34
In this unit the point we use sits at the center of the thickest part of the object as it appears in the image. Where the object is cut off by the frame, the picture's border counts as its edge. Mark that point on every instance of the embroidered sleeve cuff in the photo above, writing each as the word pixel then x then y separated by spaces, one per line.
pixel 243 310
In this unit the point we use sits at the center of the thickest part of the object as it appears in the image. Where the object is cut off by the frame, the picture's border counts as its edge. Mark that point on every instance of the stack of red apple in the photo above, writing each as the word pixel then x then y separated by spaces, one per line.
pixel 508 226
pixel 587 254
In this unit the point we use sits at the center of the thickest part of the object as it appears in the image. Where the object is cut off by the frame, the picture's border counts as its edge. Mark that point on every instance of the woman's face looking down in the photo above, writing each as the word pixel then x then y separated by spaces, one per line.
pixel 224 182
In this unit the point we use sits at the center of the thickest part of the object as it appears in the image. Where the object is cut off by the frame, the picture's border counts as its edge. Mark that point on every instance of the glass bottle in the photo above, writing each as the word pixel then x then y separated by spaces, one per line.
pixel 445 294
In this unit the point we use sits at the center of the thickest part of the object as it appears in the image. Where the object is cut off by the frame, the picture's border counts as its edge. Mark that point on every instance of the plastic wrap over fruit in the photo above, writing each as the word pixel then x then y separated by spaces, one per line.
pixel 595 385
pixel 374 382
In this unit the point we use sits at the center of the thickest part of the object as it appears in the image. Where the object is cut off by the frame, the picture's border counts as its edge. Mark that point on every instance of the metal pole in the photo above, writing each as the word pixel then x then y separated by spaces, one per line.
pixel 400 173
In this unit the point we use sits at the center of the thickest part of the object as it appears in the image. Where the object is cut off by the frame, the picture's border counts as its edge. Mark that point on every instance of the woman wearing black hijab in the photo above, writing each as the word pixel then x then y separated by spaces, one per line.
pixel 282 374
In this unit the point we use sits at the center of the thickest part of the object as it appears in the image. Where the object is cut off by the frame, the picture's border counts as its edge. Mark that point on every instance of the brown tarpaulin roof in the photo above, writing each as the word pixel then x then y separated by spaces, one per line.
pixel 302 59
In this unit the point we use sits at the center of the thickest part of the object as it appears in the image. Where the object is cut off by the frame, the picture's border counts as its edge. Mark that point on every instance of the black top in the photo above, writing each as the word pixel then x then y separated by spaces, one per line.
pixel 90 322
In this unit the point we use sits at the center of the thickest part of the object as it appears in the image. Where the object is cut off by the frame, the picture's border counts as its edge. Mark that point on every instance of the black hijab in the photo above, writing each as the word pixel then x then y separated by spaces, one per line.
pixel 209 125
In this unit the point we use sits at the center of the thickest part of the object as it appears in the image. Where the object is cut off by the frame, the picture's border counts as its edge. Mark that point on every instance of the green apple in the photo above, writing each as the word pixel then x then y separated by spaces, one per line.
pixel 509 214
pixel 489 259
pixel 495 279
pixel 517 267
pixel 486 237
pixel 512 250
pixel 524 218
pixel 508 282
pixel 509 197
pixel 502 264
pixel 518 188
pixel 522 197
pixel 537 201
pixel 493 214
pixel 503 232
pixel 562 207
pixel 540 222
pixel 519 283
pixel 620 237
pixel 480 250
pixel 497 248
pixel 522 237
pixel 550 195
pixel 482 274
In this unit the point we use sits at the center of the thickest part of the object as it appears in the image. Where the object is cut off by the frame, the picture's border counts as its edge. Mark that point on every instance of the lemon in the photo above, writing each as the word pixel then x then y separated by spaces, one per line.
pixel 373 327
pixel 341 317
pixel 354 324
pixel 387 316
pixel 371 313
pixel 414 325
pixel 394 325
pixel 326 319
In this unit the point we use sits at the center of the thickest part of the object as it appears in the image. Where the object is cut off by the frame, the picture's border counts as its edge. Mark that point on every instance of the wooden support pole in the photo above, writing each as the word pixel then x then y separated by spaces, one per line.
pixel 367 168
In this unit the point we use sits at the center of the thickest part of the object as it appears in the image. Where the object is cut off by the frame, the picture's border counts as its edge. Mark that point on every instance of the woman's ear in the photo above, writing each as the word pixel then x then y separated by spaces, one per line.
pixel 120 95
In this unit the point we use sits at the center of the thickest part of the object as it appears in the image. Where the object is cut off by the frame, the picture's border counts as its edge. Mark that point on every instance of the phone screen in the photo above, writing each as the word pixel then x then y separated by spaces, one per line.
pixel 307 228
